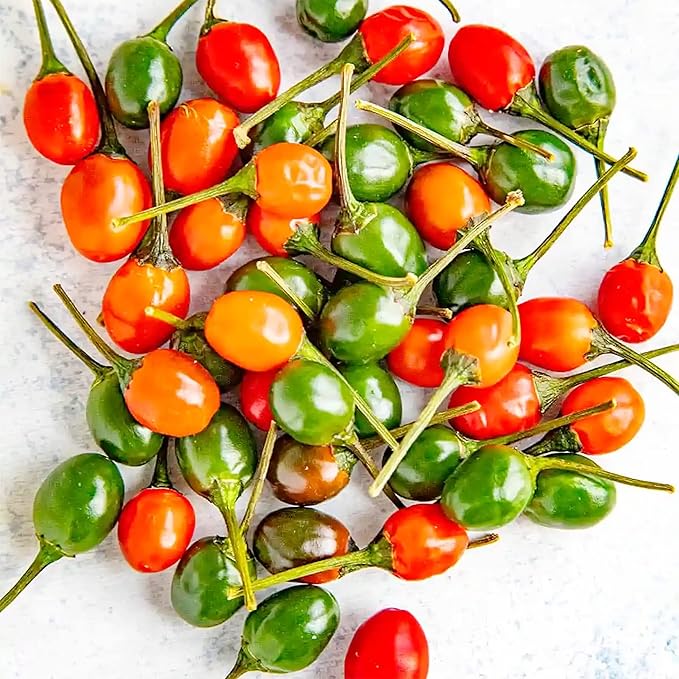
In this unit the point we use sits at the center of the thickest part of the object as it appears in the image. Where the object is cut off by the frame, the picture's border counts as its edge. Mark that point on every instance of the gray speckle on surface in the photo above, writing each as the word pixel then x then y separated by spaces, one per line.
pixel 599 604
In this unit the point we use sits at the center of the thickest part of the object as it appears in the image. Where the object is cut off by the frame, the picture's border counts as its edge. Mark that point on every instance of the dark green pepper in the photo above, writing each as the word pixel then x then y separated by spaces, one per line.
pixel 472 279
pixel 112 426
pixel 380 392
pixel 577 88
pixel 203 576
pixel 331 20
pixel 295 536
pixel 144 69
pixel 74 510
pixel 287 632
pixel 565 499
pixel 219 463
pixel 302 280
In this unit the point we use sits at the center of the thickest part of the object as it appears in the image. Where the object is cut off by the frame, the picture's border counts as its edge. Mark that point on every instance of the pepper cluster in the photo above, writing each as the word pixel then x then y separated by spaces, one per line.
pixel 316 360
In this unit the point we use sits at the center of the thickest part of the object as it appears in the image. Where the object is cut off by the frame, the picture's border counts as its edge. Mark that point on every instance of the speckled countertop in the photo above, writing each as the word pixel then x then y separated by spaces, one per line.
pixel 598 604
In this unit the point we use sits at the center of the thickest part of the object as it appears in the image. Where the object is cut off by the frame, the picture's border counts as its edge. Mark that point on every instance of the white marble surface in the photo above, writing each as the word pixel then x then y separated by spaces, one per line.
pixel 600 604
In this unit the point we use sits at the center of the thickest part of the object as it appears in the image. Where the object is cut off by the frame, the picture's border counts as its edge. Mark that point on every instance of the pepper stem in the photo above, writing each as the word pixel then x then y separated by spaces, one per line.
pixel 646 252
pixel 224 496
pixel 564 440
pixel 514 199
pixel 453 12
pixel 364 458
pixel 244 181
pixel 271 273
pixel 97 368
pixel 317 139
pixel 525 264
pixel 604 343
pixel 118 362
pixel 514 141
pixel 367 75
pixel 598 137
pixel 48 554
pixel 304 240
pixel 169 318
pixel 460 369
pixel 483 541
pixel 244 664
pixel 348 201
pixel 443 313
pixel 110 143
pixel 473 155
pixel 161 31
pixel 210 18
pixel 50 63
pixel 260 478
pixel 527 104
pixel 353 53
pixel 544 463
pixel 161 475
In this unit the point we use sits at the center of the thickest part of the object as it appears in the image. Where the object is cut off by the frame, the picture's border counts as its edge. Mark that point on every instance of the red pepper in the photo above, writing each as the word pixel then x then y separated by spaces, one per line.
pixel 254 397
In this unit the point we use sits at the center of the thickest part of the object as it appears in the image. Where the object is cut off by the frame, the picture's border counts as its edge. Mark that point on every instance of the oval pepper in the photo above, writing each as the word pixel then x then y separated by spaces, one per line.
pixel 331 21
pixel 390 645
pixel 144 69
pixel 237 62
pixel 75 508
pixel 60 114
pixel 254 398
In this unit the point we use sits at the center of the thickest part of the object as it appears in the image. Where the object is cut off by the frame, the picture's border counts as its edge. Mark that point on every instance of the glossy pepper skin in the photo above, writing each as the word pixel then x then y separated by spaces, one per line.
pixel 200 581
pixel 389 645
pixel 295 536
pixel 417 359
pixel 380 392
pixel 308 475
pixel 254 398
pixel 288 631
pixel 311 403
pixel 301 280
pixel 571 500
pixel 331 21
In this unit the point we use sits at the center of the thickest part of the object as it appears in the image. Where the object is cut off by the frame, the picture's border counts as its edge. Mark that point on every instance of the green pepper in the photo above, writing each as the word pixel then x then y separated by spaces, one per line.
pixel 295 536
pixel 190 338
pixel 287 632
pixel 311 403
pixel 302 280
pixel 111 425
pixel 199 584
pixel 144 69
pixel 331 20
pixel 75 508
pixel 219 463
pixel 565 499
pixel 380 392
pixel 577 88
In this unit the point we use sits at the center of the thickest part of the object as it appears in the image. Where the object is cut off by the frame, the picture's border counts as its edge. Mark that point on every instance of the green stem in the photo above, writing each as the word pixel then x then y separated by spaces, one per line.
pixel 244 664
pixel 353 53
pixel 527 104
pixel 362 455
pixel 550 388
pixel 367 75
pixel 348 201
pixel 599 139
pixel 453 12
pixel 483 127
pixel 161 31
pixel 564 440
pixel 443 313
pixel 605 343
pixel 244 181
pixel 161 475
pixel 646 252
pixel 260 478
pixel 48 554
pixel 50 63
pixel 210 18
pixel 317 139
pixel 276 278
pixel 97 368
pixel 224 496
pixel 474 155
pixel 116 360
pixel 543 463
pixel 109 145
pixel 169 318
pixel 412 297
pixel 483 541
pixel 304 240
pixel 525 264
pixel 460 369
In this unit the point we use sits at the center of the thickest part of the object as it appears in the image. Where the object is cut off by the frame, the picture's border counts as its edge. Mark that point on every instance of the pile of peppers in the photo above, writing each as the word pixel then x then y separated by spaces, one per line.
pixel 315 363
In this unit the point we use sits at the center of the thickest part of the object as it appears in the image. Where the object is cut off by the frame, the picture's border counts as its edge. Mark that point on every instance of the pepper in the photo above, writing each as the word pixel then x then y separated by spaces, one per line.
pixel 144 69
pixel 75 508
pixel 60 114
pixel 577 88
pixel 109 421
pixel 288 631
pixel 331 21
